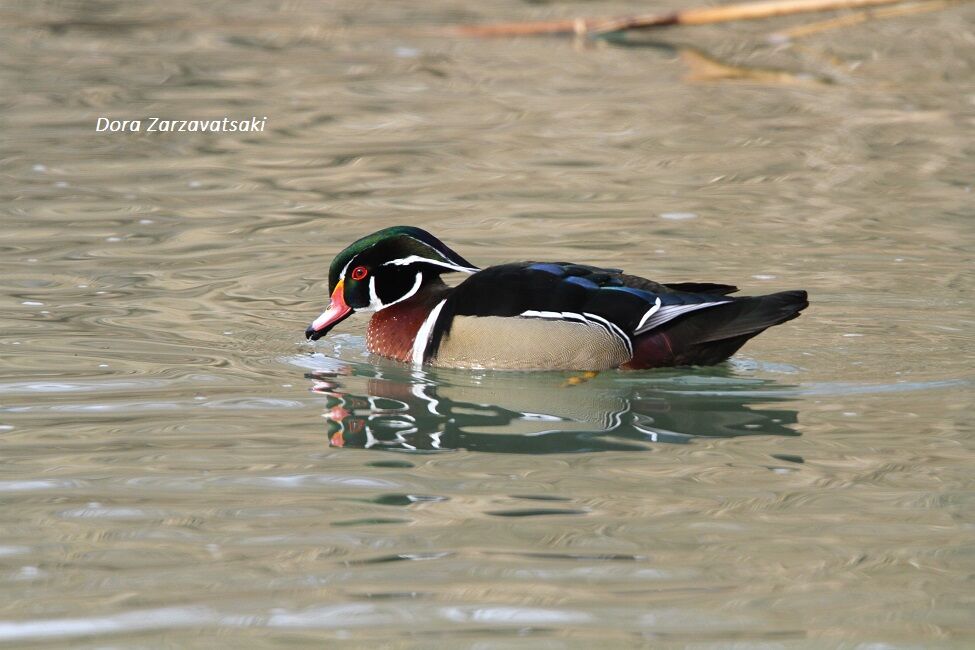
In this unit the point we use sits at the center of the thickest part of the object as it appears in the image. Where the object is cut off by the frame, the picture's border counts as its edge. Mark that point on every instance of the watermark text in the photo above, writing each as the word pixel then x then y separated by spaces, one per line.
pixel 162 125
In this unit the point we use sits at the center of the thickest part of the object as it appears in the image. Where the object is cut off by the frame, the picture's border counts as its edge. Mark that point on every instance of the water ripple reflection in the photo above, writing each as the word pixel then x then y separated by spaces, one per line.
pixel 167 480
pixel 397 408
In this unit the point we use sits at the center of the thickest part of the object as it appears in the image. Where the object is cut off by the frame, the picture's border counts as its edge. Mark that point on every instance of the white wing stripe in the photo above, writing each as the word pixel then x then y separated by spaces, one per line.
pixel 670 312
pixel 650 312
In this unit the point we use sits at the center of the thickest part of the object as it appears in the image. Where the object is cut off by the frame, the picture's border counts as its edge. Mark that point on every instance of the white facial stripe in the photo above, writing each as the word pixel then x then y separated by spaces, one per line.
pixel 413 259
pixel 670 312
pixel 408 294
pixel 463 269
pixel 650 312
pixel 423 335
pixel 344 269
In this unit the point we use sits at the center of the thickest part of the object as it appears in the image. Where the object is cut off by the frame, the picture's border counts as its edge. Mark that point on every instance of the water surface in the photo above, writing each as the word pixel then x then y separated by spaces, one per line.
pixel 179 467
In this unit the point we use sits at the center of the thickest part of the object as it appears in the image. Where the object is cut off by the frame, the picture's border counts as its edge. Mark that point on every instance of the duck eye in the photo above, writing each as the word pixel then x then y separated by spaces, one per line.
pixel 359 272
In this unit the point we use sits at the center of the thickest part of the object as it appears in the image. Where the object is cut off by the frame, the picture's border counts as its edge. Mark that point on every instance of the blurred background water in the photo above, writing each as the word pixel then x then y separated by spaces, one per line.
pixel 178 467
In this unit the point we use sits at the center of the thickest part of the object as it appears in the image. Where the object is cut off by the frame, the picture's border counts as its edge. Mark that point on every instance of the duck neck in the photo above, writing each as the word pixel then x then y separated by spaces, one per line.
pixel 393 330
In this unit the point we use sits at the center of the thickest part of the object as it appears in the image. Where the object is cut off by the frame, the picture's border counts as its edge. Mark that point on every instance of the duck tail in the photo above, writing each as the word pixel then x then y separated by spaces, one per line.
pixel 709 336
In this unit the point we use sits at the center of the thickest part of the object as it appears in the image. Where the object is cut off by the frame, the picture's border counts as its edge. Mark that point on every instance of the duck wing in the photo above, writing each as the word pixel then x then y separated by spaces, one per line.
pixel 623 305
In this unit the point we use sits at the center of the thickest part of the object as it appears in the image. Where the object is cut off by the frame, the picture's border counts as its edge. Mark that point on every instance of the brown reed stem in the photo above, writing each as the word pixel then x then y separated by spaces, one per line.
pixel 694 16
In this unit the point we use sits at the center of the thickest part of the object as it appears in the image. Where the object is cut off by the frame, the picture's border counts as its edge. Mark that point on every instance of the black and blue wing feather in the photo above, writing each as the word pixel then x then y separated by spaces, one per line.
pixel 511 290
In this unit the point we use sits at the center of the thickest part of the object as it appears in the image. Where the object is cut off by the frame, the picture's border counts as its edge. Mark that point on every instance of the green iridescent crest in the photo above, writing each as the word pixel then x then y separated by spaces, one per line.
pixel 398 245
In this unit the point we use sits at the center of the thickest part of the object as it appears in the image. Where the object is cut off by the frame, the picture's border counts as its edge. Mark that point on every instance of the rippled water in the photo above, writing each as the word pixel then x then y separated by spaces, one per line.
pixel 179 467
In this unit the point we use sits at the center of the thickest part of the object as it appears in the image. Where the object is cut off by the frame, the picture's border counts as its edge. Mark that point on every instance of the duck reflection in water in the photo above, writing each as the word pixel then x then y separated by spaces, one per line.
pixel 505 412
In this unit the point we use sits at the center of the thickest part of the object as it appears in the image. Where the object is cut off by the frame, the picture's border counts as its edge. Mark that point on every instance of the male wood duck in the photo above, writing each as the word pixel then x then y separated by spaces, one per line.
pixel 535 315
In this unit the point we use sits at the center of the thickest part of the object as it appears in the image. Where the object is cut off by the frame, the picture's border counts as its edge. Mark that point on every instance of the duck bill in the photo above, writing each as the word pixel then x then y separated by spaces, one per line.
pixel 337 312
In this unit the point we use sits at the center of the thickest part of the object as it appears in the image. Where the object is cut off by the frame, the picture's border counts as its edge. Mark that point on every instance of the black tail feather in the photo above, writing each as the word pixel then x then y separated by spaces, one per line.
pixel 702 287
pixel 746 316
pixel 709 336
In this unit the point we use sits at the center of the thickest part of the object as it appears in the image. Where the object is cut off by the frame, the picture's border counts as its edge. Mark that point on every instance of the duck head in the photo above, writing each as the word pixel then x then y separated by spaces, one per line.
pixel 382 269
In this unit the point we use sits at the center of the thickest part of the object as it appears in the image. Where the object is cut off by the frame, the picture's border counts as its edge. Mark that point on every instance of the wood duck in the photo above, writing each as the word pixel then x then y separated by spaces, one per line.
pixel 534 315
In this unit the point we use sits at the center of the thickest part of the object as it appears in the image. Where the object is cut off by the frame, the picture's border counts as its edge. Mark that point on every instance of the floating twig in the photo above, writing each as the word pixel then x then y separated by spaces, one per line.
pixel 705 68
pixel 694 16
pixel 857 18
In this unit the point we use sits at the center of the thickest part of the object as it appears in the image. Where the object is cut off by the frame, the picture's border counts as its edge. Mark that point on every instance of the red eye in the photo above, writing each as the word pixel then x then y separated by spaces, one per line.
pixel 359 272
